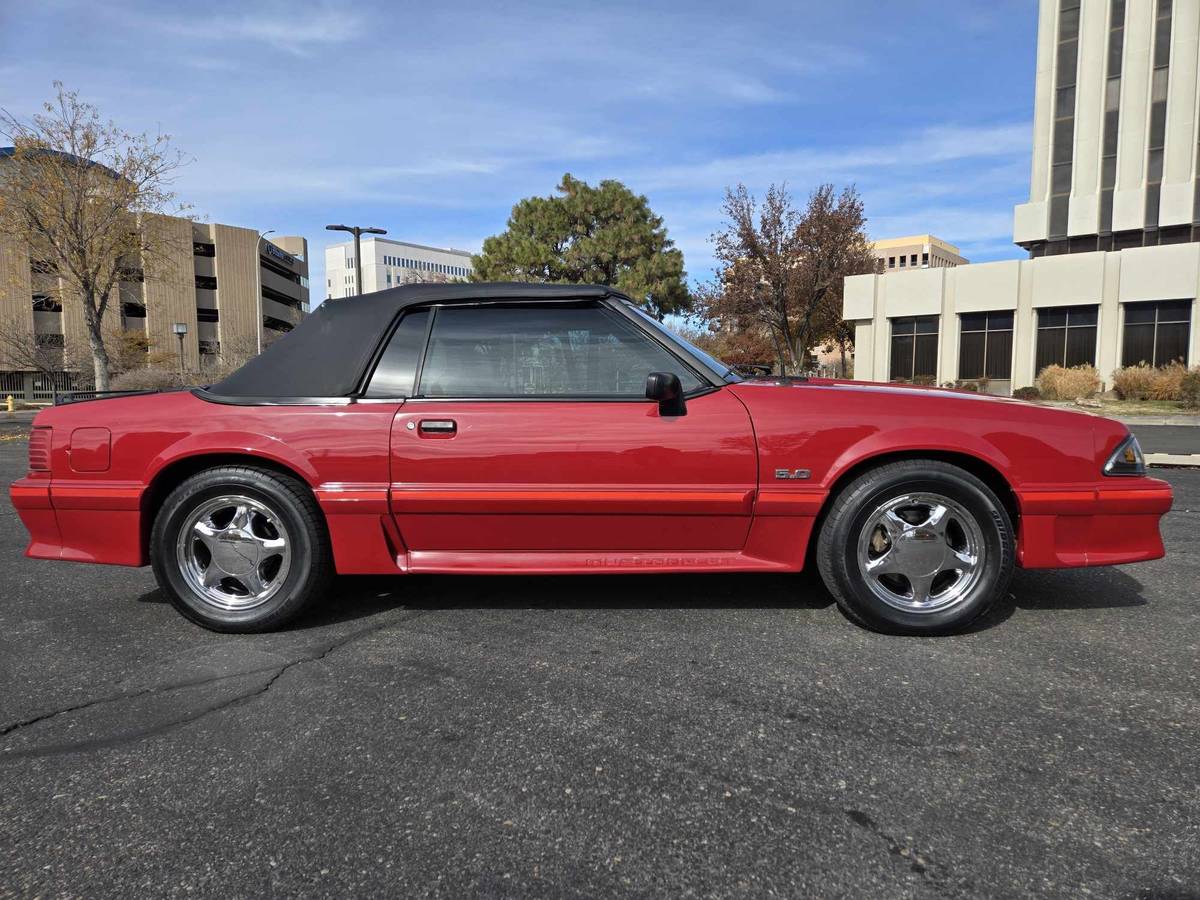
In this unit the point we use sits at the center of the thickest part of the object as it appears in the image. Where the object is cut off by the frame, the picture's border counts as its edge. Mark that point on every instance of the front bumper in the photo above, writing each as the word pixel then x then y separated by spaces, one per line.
pixel 1097 525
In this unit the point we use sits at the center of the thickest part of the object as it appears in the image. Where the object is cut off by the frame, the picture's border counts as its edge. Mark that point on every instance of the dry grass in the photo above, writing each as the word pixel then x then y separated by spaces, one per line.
pixel 1134 382
pixel 1059 383
pixel 1168 383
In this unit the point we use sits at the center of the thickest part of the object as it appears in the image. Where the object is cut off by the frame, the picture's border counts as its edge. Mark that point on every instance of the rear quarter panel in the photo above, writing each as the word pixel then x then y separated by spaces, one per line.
pixel 341 452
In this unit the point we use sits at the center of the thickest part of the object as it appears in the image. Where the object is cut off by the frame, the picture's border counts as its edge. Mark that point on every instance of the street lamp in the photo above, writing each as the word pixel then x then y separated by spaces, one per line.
pixel 180 329
pixel 356 230
pixel 258 329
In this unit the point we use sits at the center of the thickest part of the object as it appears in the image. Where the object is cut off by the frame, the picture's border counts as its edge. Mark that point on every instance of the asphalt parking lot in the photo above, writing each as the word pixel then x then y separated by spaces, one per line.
pixel 656 735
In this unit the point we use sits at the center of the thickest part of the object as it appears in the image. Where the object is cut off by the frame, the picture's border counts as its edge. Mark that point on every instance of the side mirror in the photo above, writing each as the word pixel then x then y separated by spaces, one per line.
pixel 665 388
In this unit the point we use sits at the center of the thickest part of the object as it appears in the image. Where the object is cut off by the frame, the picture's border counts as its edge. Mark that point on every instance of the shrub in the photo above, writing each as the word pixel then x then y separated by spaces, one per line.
pixel 1059 383
pixel 924 380
pixel 1168 382
pixel 1189 388
pixel 1134 382
pixel 1027 393
pixel 968 386
pixel 146 380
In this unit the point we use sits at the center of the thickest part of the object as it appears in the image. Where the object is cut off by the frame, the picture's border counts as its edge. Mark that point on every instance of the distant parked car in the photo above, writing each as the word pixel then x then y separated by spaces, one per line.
pixel 514 428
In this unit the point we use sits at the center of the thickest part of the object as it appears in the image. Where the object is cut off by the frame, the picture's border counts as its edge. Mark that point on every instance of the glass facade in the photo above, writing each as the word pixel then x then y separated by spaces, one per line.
pixel 1066 336
pixel 1156 333
pixel 985 345
pixel 914 349
pixel 1063 136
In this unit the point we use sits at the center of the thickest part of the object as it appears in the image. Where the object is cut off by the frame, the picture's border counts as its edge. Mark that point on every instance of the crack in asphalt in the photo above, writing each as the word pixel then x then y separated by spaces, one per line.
pixel 933 873
pixel 276 672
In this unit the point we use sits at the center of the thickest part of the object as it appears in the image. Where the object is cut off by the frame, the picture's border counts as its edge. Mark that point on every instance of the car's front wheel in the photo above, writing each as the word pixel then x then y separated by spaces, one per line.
pixel 916 547
pixel 240 549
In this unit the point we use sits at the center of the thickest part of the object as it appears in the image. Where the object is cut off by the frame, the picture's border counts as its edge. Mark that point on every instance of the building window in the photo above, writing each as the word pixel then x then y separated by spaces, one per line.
pixel 1066 336
pixel 133 310
pixel 891 262
pixel 914 349
pixel 205 314
pixel 1156 333
pixel 1063 135
pixel 206 282
pixel 903 261
pixel 985 345
pixel 925 259
pixel 46 303
pixel 49 340
pixel 201 248
pixel 1112 106
pixel 1158 110
pixel 277 324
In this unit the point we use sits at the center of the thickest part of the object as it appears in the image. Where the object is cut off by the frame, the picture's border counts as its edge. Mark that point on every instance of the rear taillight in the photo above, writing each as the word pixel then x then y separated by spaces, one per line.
pixel 39 449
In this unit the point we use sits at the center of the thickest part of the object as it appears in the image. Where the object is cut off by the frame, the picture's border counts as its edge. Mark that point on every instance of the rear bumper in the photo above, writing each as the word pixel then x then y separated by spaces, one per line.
pixel 82 522
pixel 1098 525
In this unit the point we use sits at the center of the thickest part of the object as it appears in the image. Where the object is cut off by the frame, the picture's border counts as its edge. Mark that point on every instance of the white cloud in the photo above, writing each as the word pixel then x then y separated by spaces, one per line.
pixel 291 28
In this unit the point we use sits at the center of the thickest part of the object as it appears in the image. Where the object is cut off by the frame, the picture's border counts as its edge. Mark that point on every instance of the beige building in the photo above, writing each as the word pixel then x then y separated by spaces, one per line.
pixel 916 251
pixel 1110 226
pixel 387 263
pixel 233 291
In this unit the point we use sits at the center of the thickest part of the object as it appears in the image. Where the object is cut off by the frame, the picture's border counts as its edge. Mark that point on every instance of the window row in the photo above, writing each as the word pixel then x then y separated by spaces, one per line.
pixel 421 265
pixel 1157 333
pixel 908 261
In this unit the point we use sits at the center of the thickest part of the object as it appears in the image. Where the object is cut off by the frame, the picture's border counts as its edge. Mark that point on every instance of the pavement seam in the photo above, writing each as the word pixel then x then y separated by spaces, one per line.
pixel 277 672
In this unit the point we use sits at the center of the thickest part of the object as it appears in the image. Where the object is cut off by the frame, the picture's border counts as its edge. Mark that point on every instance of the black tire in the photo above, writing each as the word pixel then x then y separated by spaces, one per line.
pixel 290 502
pixel 856 504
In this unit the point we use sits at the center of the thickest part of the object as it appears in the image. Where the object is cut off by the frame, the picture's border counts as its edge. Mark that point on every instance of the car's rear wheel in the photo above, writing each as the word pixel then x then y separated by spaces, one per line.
pixel 240 549
pixel 916 547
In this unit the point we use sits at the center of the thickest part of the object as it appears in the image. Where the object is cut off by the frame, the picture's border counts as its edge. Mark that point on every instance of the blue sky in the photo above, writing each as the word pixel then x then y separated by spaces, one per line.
pixel 431 120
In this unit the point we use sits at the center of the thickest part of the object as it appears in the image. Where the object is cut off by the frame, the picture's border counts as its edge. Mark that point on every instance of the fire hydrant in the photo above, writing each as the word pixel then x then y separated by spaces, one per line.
pixel 11 403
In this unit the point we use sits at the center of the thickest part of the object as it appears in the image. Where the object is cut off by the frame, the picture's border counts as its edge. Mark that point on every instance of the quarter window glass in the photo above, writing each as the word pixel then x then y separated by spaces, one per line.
pixel 397 367
pixel 496 351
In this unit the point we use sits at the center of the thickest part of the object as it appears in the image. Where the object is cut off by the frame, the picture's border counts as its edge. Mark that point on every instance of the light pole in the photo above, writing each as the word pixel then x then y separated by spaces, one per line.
pixel 356 230
pixel 258 252
pixel 180 329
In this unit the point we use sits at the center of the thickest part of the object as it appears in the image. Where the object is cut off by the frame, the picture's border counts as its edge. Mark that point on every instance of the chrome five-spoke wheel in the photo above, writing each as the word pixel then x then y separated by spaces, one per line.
pixel 920 552
pixel 234 552
pixel 916 546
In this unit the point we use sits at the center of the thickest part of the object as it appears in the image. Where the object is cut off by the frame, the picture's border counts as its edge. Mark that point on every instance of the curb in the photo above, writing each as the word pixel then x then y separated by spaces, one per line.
pixel 1174 460
pixel 1184 421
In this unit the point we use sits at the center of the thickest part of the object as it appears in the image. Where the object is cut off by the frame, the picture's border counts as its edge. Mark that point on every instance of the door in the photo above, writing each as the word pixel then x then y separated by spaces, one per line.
pixel 529 431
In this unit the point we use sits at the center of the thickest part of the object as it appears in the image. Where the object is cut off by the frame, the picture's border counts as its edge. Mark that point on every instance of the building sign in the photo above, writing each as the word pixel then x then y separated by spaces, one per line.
pixel 274 251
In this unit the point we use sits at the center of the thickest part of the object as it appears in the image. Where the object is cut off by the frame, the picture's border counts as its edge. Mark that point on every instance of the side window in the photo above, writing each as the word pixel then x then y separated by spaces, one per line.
pixel 542 351
pixel 397 367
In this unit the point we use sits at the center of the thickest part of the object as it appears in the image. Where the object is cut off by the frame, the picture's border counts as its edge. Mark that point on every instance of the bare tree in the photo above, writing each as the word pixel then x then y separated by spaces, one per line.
pixel 82 194
pixel 782 267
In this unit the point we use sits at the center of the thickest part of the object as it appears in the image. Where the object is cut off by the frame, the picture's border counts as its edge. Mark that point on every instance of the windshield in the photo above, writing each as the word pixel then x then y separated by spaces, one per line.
pixel 708 359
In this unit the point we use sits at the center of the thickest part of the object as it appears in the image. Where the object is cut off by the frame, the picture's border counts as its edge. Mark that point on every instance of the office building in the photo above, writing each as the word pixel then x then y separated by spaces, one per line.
pixel 916 251
pixel 233 291
pixel 1110 227
pixel 387 263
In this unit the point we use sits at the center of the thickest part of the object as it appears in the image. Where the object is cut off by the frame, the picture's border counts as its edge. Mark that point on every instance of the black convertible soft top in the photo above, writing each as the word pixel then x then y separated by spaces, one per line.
pixel 326 354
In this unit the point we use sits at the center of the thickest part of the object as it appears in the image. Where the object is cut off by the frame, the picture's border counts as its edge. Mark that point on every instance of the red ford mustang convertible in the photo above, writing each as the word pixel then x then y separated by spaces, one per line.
pixel 512 428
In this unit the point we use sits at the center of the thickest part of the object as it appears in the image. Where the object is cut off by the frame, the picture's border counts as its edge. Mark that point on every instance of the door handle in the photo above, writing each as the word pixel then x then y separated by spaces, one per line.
pixel 438 426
